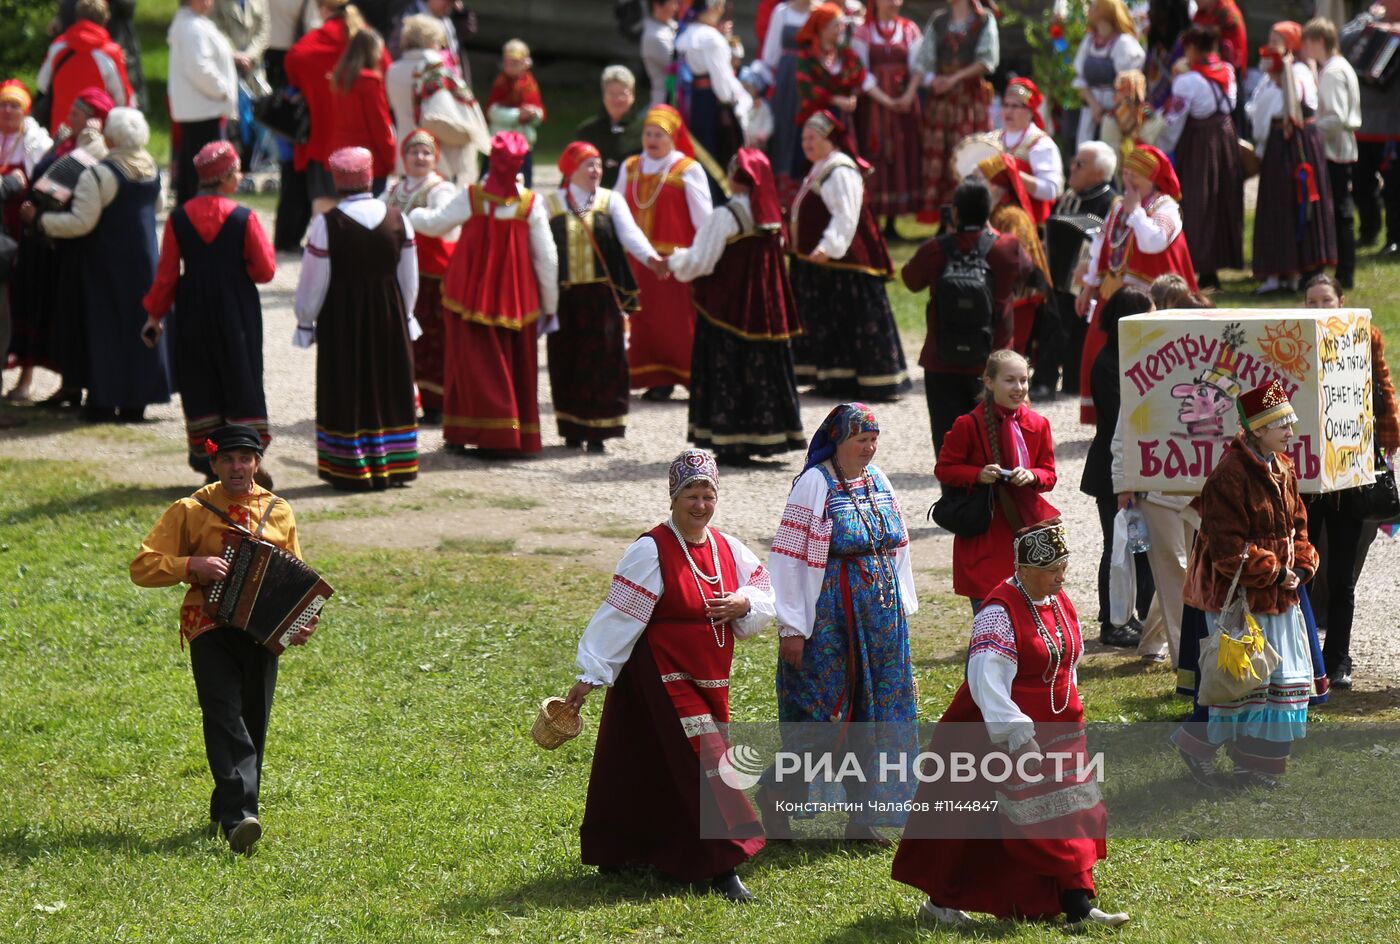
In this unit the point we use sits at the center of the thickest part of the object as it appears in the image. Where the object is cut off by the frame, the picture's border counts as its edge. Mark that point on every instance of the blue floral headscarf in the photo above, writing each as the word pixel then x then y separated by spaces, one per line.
pixel 843 422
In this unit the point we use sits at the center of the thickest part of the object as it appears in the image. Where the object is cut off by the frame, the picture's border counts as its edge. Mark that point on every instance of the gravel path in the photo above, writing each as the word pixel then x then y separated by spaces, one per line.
pixel 567 503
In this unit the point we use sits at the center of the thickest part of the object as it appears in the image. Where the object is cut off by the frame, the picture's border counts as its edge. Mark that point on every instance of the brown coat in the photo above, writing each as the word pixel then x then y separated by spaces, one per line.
pixel 1249 507
pixel 1386 409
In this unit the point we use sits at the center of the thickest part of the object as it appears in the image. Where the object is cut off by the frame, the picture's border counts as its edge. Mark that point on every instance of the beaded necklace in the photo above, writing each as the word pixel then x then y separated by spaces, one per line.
pixel 717 581
pixel 1061 643
pixel 660 184
pixel 876 532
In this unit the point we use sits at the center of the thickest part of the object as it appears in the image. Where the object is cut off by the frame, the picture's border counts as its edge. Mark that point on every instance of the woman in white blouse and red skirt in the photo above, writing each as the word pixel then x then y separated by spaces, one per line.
pixel 663 643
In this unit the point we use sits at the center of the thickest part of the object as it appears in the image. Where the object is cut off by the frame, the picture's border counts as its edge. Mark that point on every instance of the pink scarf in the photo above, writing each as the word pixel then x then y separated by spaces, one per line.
pixel 1014 454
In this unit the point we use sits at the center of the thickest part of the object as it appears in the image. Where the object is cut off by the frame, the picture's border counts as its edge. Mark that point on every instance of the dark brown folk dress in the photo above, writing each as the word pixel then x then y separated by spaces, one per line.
pixel 366 421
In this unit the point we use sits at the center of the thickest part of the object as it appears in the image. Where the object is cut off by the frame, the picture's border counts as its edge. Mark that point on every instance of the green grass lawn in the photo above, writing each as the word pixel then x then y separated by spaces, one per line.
pixel 405 802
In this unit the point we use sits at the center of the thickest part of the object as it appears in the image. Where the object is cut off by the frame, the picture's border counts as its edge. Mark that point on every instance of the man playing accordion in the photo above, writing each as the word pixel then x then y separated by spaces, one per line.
pixel 234 675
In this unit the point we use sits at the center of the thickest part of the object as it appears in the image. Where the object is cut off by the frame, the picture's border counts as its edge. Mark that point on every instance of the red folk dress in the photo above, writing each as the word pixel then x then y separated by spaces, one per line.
pixel 891 141
pixel 491 356
pixel 1045 838
pixel 663 330
pixel 658 731
pixel 983 562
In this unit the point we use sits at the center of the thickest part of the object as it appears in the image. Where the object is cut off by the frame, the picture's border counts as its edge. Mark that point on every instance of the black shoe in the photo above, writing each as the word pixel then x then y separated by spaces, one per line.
pixel 131 414
pixel 1247 779
pixel 573 443
pixel 97 414
pixel 730 887
pixel 1120 637
pixel 659 394
pixel 1201 771
pixel 1367 238
pixel 63 400
pixel 595 446
pixel 431 418
pixel 1208 280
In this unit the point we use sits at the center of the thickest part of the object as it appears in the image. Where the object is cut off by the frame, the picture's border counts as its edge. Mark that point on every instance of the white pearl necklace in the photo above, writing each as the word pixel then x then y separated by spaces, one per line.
pixel 718 631
pixel 1058 646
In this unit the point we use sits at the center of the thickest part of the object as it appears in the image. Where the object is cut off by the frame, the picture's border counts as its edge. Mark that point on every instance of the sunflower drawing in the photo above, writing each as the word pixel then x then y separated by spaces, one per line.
pixel 1283 347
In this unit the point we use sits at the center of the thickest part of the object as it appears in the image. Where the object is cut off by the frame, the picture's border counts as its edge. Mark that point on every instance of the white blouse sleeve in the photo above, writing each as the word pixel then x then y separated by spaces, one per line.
pixel 1048 169
pixel 988 51
pixel 842 192
pixel 904 565
pixel 615 628
pixel 440 220
pixel 312 285
pixel 697 194
pixel 1127 54
pixel 439 197
pixel 1264 103
pixel 628 232
pixel 991 668
pixel 711 51
pixel 767 63
pixel 706 249
pixel 544 257
pixel 756 585
pixel 1155 233
pixel 797 562
pixel 407 274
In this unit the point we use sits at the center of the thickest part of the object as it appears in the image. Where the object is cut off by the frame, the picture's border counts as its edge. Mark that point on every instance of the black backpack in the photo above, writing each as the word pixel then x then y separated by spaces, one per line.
pixel 962 303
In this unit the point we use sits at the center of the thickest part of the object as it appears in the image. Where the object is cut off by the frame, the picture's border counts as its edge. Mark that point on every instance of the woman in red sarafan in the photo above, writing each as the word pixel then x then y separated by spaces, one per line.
pixel 663 644
pixel 891 136
pixel 1033 857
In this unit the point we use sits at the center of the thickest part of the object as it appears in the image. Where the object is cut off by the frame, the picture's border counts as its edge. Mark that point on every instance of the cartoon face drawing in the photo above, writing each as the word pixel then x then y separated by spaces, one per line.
pixel 1202 407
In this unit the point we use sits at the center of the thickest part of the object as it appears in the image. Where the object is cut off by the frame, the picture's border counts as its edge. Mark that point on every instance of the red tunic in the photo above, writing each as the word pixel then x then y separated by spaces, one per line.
pixel 362 120
pixel 1017 862
pixel 658 732
pixel 491 358
pixel 663 330
pixel 206 213
pixel 1114 264
pixel 490 279
pixel 868 252
pixel 981 563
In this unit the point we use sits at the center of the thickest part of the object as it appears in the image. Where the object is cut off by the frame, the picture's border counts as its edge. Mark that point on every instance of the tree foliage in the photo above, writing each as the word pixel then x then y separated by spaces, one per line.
pixel 26 37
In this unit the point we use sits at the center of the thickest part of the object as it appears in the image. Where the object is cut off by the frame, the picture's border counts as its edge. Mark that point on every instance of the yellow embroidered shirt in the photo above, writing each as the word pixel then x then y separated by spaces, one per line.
pixel 188 529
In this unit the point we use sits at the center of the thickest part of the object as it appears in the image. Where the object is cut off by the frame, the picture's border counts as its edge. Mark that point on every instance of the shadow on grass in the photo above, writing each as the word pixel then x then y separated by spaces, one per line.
pixel 24 846
pixel 888 927
pixel 110 499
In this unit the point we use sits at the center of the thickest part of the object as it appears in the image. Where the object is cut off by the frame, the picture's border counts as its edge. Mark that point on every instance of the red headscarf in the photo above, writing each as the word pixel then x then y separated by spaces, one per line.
pixel 1002 170
pixel 97 101
pixel 1292 35
pixel 1153 164
pixel 1025 91
pixel 1217 70
pixel 751 168
pixel 508 150
pixel 817 20
pixel 669 120
pixel 573 157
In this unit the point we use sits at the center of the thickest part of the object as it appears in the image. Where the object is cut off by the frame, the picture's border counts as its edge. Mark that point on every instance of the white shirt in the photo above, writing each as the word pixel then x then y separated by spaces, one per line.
pixel 784 15
pixel 1267 103
pixel 438 197
pixel 203 82
pixel 842 191
pixel 617 625
pixel 1047 167
pixel 315 279
pixel 287 20
pixel 1154 233
pixel 697 185
pixel 544 258
pixel 1126 54
pixel 991 668
pixel 867 35
pixel 707 53
pixel 628 232
pixel 26 146
pixel 705 250
pixel 1193 96
pixel 798 560
pixel 658 45
pixel 1339 110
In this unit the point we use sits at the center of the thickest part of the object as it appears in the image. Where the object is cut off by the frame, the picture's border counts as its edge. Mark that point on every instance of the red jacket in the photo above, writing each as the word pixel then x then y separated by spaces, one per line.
pixel 1010 266
pixel 362 120
pixel 981 563
pixel 84 56
pixel 309 65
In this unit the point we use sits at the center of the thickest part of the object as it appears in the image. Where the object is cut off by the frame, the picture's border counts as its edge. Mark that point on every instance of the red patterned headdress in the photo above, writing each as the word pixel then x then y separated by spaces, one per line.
pixel 1025 91
pixel 573 157
pixel 1264 407
pixel 669 120
pixel 1151 163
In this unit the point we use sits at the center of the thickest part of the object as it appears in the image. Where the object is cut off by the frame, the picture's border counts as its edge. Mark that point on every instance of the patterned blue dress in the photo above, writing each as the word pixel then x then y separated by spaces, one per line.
pixel 856 664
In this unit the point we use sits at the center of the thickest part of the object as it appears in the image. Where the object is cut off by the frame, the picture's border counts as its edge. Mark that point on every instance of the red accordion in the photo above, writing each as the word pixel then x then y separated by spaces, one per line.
pixel 269 593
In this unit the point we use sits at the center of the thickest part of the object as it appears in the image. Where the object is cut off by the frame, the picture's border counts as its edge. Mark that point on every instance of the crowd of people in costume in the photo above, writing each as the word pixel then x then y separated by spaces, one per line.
pixel 732 238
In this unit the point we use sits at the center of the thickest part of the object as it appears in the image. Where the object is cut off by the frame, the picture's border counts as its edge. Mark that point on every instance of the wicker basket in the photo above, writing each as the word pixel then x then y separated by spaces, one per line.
pixel 555 724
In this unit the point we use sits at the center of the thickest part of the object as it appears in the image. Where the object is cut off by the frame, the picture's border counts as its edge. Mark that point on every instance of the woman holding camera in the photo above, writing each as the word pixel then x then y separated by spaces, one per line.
pixel 1005 444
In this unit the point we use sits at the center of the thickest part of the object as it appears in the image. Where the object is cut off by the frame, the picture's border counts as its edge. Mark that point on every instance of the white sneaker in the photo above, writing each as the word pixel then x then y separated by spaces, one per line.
pixel 242 837
pixel 1269 285
pixel 1101 918
pixel 948 916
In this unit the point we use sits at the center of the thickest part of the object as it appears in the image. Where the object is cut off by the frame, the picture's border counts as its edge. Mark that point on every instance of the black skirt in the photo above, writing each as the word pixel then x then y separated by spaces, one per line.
pixel 1288 240
pixel 743 394
pixel 588 365
pixel 851 348
pixel 1212 193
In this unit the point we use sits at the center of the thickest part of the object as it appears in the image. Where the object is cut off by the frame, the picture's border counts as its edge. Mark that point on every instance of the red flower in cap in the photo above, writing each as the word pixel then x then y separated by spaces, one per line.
pixel 210 447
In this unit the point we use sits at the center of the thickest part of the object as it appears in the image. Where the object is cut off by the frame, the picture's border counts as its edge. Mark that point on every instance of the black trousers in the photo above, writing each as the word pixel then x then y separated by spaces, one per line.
pixel 1344 213
pixel 949 396
pixel 1076 330
pixel 1050 337
pixel 1108 510
pixel 293 200
pixel 1365 185
pixel 1337 516
pixel 193 136
pixel 234 677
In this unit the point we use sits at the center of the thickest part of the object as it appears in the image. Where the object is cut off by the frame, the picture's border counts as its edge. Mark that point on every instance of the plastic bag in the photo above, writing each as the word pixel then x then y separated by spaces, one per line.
pixel 1122 574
